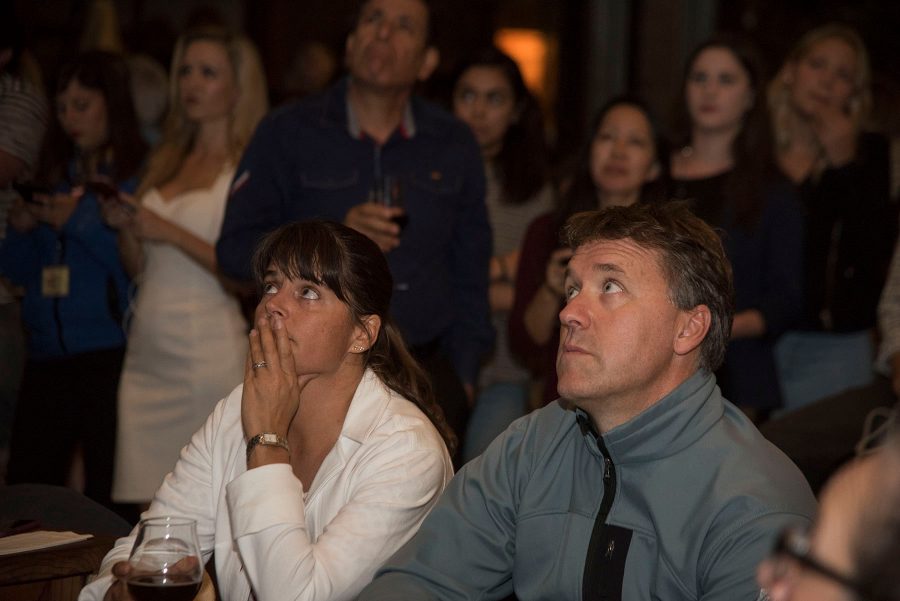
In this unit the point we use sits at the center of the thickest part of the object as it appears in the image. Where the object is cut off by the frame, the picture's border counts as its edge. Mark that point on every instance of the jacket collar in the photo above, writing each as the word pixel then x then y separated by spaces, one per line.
pixel 673 423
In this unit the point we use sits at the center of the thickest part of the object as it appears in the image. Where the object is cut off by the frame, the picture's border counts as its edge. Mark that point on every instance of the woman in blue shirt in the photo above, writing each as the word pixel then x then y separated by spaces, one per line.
pixel 75 289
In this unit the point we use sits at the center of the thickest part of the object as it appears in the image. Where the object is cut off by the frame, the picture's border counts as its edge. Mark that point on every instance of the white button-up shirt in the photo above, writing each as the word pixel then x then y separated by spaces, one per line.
pixel 274 541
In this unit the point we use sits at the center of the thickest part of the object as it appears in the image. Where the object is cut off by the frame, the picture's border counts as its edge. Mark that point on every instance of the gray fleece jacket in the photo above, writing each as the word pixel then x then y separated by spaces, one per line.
pixel 680 502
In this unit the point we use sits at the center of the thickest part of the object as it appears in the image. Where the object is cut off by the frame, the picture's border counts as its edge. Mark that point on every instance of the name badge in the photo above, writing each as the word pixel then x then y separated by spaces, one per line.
pixel 55 281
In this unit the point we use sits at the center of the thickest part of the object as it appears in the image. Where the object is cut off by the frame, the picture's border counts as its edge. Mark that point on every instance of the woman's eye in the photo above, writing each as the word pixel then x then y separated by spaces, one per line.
pixel 697 77
pixel 611 287
pixel 209 72
pixel 639 142
pixel 270 288
pixel 309 293
pixel 80 105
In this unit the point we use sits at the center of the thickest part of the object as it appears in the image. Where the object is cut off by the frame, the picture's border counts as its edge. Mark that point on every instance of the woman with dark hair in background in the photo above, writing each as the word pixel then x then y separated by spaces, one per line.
pixel 723 166
pixel 819 102
pixel 307 477
pixel 624 162
pixel 491 98
pixel 170 379
pixel 76 288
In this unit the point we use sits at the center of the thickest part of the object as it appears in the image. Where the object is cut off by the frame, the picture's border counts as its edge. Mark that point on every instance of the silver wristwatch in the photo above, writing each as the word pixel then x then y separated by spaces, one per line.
pixel 267 439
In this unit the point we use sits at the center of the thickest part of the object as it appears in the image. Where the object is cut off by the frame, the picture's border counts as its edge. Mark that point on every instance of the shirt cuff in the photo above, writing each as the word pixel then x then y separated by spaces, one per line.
pixel 264 497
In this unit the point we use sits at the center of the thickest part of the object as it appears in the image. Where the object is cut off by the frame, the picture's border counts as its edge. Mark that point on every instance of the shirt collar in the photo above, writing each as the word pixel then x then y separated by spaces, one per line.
pixel 407 128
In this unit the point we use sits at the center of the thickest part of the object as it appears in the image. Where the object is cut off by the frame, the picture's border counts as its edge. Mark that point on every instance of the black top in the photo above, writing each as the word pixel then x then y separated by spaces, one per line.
pixel 766 259
pixel 851 227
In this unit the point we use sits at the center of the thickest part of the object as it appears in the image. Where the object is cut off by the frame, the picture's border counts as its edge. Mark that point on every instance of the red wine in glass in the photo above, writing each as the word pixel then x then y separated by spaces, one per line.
pixel 166 564
pixel 156 587
pixel 388 191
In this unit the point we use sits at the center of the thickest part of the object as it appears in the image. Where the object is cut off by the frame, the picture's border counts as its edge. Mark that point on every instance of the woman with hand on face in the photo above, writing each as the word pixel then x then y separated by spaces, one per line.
pixel 491 98
pixel 724 168
pixel 186 339
pixel 307 477
pixel 59 250
pixel 819 101
pixel 622 164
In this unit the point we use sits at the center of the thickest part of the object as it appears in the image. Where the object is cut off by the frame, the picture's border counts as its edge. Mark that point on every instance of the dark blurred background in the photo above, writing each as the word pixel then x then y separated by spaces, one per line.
pixel 578 52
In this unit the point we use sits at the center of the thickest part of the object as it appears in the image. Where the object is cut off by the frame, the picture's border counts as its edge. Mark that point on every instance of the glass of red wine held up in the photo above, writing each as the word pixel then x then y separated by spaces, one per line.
pixel 387 190
pixel 165 560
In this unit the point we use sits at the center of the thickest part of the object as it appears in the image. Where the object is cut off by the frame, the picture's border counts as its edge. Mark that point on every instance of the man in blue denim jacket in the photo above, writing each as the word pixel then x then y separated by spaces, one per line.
pixel 641 482
pixel 334 156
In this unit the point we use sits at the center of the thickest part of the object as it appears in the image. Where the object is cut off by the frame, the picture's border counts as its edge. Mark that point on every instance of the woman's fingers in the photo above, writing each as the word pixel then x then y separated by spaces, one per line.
pixel 267 341
pixel 256 351
pixel 285 355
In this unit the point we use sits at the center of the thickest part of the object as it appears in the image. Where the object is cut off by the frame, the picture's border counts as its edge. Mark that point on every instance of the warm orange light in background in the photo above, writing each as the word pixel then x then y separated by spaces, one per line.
pixel 530 49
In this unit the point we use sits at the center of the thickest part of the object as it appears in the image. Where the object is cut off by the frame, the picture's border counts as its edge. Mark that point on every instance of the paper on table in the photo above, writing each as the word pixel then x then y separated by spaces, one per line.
pixel 40 539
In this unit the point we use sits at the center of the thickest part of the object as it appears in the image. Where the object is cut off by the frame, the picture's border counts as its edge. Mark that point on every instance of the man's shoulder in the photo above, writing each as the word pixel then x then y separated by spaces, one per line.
pixel 433 119
pixel 540 431
pixel 752 472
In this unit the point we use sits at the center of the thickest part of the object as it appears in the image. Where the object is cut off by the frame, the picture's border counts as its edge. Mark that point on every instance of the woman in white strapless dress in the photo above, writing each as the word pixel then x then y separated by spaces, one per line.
pixel 187 337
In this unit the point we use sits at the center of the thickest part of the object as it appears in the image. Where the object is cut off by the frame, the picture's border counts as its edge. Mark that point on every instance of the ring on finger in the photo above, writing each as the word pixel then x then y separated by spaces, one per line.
pixel 260 364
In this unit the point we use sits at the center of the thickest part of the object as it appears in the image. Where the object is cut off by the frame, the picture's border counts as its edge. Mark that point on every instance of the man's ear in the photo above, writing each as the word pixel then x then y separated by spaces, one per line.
pixel 692 327
pixel 429 63
pixel 348 49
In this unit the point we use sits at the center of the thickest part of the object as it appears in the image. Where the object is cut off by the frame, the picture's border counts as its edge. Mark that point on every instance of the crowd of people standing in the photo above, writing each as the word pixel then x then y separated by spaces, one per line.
pixel 133 262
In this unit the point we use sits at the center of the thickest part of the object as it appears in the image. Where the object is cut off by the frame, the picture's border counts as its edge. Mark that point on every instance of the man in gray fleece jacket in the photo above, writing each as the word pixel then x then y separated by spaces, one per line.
pixel 641 481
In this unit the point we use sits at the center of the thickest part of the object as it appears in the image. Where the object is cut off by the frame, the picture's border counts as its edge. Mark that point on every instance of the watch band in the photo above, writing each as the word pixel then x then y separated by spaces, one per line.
pixel 267 439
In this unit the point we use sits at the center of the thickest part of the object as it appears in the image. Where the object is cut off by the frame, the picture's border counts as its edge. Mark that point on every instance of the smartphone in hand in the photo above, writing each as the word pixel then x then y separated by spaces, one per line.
pixel 105 188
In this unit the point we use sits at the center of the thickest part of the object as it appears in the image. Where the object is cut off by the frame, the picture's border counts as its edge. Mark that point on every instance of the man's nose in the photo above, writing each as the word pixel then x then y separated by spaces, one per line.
pixel 384 30
pixel 571 314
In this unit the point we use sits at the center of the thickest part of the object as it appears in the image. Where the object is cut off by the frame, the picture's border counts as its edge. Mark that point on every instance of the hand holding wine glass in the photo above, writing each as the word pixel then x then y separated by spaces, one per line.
pixel 165 562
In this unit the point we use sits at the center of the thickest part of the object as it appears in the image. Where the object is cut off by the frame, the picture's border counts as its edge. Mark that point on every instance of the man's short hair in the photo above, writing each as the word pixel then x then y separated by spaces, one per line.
pixel 693 259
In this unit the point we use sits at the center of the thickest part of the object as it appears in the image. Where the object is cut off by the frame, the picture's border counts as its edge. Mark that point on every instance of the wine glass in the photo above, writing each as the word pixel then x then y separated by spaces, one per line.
pixel 165 560
pixel 387 190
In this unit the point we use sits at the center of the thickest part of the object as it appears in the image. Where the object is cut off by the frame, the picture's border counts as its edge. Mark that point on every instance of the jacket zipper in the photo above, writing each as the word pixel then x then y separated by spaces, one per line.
pixel 590 582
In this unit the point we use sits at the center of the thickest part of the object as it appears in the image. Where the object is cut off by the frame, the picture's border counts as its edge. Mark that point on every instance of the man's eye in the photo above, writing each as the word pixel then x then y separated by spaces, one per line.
pixel 571 292
pixel 611 287
pixel 466 96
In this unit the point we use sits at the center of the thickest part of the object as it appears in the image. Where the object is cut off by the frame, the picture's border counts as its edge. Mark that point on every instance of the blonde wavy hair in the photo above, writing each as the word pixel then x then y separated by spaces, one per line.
pixel 779 92
pixel 179 132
